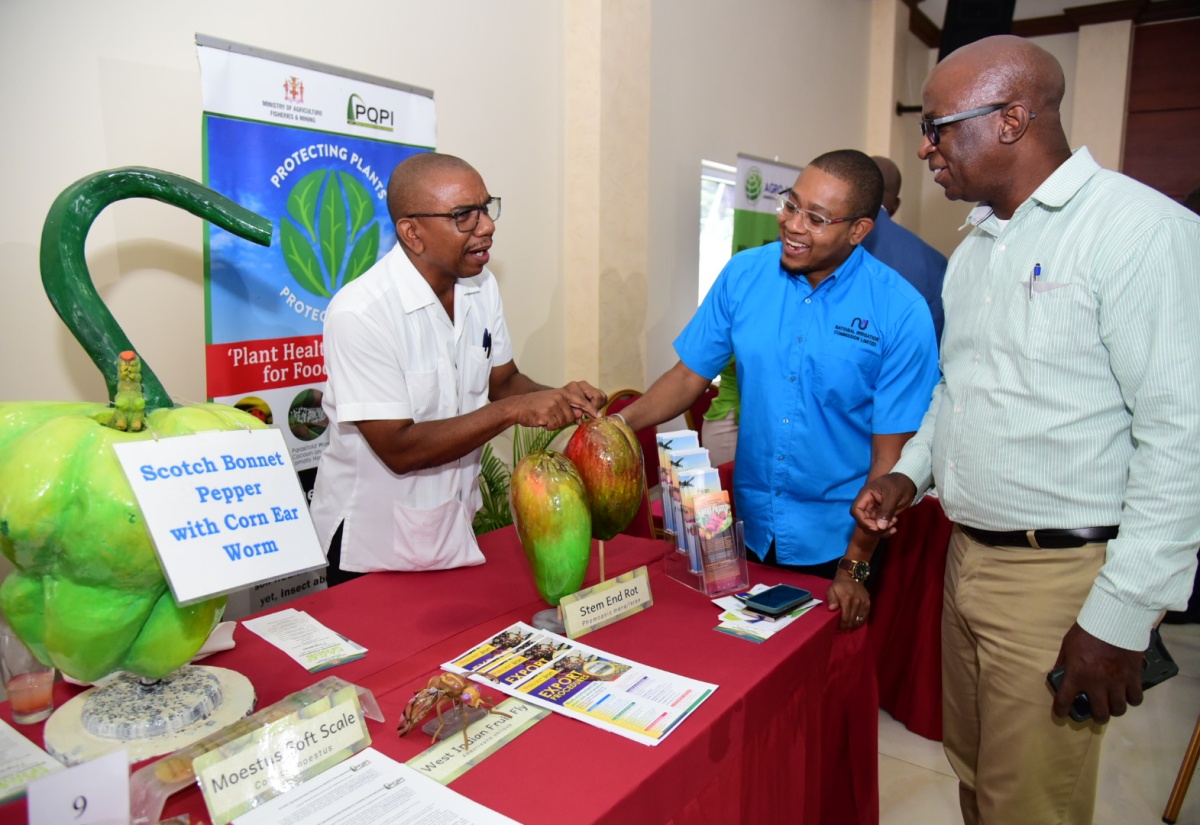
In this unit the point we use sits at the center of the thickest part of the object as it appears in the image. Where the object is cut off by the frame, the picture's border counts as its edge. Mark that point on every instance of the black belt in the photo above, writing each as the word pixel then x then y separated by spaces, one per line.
pixel 1047 539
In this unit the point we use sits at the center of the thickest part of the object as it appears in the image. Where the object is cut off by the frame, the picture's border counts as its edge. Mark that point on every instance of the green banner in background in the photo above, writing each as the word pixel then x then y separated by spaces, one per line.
pixel 758 182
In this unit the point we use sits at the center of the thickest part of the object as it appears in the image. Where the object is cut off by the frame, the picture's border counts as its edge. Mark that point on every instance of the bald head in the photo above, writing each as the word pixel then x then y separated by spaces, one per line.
pixel 1003 136
pixel 408 188
pixel 891 183
pixel 1007 68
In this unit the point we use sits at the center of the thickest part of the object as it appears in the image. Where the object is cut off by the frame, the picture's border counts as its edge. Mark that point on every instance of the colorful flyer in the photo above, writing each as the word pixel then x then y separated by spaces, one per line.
pixel 609 692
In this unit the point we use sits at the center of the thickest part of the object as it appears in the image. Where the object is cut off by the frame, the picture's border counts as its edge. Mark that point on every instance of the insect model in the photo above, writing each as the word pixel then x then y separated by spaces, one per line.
pixel 443 689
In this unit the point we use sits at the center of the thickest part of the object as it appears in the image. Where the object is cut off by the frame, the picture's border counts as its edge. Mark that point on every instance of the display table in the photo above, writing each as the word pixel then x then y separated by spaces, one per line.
pixel 906 618
pixel 790 735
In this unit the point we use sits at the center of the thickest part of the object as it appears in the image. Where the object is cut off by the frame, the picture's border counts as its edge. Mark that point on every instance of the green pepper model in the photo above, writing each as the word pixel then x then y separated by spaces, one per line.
pixel 88 595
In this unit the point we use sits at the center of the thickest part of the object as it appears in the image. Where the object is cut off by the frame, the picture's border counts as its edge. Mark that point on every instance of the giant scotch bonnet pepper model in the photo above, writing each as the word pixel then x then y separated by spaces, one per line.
pixel 88 595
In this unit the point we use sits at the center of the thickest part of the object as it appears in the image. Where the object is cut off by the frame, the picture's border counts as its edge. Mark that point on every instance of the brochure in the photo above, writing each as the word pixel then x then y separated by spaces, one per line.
pixel 619 695
pixel 679 461
pixel 369 789
pixel 20 762
pixel 719 542
pixel 746 624
pixel 674 440
pixel 306 640
pixel 695 483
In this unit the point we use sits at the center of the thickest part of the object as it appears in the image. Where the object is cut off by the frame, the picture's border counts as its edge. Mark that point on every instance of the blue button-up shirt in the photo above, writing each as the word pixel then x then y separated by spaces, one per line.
pixel 820 371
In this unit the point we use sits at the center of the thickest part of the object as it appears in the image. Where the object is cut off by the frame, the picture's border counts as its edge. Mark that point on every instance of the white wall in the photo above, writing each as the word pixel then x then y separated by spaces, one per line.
pixel 758 76
pixel 89 86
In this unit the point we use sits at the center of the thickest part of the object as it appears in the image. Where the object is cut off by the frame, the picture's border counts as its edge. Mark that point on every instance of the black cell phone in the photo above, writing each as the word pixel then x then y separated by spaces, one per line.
pixel 777 600
pixel 1157 667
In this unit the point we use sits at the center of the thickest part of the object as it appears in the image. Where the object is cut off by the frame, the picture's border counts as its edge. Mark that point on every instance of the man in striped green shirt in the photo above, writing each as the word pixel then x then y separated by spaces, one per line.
pixel 1063 439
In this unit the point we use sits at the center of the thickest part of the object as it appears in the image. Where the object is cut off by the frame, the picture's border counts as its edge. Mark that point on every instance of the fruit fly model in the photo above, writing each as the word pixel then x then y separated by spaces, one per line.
pixel 444 688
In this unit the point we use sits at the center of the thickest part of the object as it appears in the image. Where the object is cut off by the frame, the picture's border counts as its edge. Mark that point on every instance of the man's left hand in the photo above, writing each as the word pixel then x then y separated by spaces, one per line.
pixel 1111 676
pixel 585 398
pixel 850 597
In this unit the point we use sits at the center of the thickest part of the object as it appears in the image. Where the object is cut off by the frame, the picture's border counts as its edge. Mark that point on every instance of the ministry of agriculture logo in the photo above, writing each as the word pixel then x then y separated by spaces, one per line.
pixel 754 183
pixel 293 90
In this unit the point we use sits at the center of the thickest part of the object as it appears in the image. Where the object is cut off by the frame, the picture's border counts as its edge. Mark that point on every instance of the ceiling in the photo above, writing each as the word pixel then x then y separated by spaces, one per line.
pixel 935 10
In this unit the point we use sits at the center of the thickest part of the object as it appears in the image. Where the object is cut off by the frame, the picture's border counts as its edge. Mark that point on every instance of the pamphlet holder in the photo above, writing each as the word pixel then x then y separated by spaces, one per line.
pixel 722 569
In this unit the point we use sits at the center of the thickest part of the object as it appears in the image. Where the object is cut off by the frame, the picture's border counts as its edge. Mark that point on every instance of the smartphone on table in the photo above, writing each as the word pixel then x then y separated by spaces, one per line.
pixel 777 600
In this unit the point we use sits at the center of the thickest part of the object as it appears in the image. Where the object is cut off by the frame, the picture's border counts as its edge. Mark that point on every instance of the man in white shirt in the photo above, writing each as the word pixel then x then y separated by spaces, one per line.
pixel 416 348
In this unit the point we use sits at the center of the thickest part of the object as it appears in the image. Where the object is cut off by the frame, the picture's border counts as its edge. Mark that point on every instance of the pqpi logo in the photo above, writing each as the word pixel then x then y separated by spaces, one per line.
pixel 754 183
pixel 358 113
pixel 293 90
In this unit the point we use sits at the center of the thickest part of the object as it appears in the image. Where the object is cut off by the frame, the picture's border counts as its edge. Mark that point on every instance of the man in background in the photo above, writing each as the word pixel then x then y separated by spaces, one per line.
pixel 416 348
pixel 920 264
pixel 1064 437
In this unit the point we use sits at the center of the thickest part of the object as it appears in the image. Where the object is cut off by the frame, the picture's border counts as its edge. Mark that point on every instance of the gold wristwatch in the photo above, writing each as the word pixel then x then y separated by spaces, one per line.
pixel 855 567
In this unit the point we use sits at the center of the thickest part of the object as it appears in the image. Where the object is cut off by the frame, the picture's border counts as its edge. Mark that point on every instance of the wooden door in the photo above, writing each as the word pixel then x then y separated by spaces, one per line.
pixel 1162 127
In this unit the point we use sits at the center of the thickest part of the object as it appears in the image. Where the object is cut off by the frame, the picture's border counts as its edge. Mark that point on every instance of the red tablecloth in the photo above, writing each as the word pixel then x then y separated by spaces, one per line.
pixel 906 619
pixel 789 736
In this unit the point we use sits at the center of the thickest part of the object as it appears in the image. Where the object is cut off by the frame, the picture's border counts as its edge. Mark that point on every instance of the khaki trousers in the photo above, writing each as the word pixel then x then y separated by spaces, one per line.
pixel 1005 611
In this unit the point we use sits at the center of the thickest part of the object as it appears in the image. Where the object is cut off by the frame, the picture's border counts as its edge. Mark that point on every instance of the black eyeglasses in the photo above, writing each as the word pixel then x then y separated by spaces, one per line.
pixel 929 125
pixel 465 219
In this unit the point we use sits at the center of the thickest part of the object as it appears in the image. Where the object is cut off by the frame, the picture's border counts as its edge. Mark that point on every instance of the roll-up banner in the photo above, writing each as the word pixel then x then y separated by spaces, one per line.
pixel 759 181
pixel 310 147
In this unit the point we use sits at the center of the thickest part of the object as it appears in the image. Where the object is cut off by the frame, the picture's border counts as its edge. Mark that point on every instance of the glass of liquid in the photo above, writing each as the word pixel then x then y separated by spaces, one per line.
pixel 28 683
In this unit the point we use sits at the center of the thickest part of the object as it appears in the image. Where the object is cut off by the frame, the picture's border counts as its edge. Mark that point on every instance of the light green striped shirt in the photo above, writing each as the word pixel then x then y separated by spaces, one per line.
pixel 1077 404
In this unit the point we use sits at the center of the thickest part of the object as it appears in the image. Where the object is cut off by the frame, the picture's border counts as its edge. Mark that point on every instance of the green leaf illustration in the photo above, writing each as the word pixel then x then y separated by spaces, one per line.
pixel 362 257
pixel 362 209
pixel 301 260
pixel 302 202
pixel 332 229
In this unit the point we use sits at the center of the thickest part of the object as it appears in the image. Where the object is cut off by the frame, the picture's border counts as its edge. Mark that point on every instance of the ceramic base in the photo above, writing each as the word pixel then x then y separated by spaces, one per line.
pixel 171 710
pixel 548 620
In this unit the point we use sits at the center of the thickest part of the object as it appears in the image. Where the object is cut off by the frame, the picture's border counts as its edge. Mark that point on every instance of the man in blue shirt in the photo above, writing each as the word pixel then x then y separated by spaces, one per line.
pixel 836 361
pixel 920 264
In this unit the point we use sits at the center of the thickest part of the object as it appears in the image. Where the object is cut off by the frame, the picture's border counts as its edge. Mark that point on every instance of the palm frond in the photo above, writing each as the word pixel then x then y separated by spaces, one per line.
pixel 528 439
pixel 493 487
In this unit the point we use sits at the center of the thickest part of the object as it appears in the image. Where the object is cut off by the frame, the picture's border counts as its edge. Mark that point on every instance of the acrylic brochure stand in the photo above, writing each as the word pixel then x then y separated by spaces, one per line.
pixel 720 565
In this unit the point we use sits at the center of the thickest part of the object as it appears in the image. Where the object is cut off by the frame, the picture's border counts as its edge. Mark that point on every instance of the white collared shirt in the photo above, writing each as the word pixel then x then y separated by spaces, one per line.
pixel 393 353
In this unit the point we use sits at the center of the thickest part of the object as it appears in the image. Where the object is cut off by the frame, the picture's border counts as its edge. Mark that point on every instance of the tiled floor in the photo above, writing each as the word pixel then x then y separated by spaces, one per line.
pixel 1141 756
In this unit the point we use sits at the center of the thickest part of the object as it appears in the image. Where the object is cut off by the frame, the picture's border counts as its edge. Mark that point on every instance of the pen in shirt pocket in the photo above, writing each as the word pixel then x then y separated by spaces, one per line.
pixel 1033 277
pixel 487 343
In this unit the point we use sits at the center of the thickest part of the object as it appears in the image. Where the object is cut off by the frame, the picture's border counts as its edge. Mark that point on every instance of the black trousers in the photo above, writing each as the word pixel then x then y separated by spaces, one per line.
pixel 335 575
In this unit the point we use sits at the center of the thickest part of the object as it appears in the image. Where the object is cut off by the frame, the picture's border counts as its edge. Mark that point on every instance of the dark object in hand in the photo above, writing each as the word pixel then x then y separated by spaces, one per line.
pixel 1157 666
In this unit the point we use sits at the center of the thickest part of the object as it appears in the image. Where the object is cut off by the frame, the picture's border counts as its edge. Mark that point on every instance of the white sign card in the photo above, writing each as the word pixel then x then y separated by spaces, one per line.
pixel 225 509
pixel 609 601
pixel 93 793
